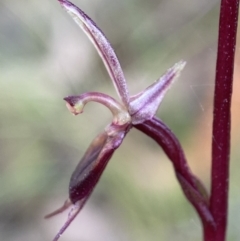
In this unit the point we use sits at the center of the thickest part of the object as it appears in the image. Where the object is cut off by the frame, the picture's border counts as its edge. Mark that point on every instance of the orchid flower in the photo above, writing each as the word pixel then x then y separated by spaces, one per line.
pixel 131 111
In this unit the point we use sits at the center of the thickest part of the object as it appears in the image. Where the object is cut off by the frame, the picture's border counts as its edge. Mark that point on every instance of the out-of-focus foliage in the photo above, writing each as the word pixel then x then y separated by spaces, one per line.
pixel 44 57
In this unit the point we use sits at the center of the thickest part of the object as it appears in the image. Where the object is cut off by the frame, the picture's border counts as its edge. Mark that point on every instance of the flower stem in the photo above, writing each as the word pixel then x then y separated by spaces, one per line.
pixel 222 119
pixel 191 186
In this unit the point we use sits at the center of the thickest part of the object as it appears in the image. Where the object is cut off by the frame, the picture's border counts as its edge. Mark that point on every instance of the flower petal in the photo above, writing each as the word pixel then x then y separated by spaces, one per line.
pixel 144 105
pixel 76 208
pixel 103 47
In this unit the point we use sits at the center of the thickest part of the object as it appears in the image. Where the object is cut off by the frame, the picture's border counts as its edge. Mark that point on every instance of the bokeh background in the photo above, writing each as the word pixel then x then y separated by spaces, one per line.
pixel 44 57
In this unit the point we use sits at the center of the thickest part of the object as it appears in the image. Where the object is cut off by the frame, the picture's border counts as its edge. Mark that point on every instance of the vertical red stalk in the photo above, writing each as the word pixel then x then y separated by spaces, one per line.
pixel 222 120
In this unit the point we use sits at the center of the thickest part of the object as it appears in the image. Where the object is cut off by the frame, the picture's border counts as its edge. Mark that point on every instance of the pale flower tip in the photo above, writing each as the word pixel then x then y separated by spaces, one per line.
pixel 73 109
pixel 179 66
pixel 63 2
pixel 176 71
pixel 74 106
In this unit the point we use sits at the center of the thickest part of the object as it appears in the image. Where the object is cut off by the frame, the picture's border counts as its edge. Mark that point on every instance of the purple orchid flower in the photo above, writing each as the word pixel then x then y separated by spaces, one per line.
pixel 132 111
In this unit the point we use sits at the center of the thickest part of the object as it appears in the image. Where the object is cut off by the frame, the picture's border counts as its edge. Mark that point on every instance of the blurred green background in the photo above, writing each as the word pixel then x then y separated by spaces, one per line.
pixel 44 57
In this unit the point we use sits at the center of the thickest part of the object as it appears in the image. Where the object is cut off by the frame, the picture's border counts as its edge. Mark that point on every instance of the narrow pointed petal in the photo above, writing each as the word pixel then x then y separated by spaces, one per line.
pixel 76 208
pixel 64 207
pixel 144 105
pixel 103 47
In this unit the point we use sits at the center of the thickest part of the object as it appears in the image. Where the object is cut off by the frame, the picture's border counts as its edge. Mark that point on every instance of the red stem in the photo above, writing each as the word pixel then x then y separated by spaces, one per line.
pixel 191 186
pixel 222 119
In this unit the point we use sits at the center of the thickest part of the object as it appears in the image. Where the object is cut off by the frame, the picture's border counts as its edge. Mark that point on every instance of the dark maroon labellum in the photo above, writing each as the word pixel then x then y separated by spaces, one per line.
pixel 93 163
pixel 89 169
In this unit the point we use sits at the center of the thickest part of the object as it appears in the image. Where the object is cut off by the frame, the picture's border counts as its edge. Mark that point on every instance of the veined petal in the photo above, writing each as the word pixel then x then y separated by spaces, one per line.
pixel 103 47
pixel 144 105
